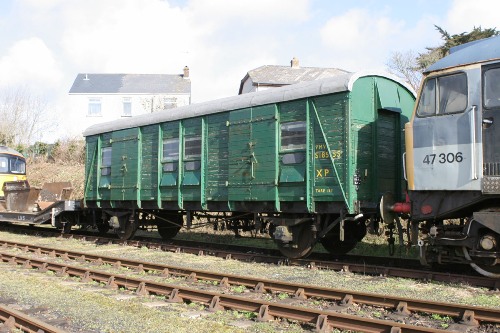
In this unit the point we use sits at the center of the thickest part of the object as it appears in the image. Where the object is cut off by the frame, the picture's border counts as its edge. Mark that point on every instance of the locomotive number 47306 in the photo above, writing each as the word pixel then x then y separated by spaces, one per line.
pixel 443 158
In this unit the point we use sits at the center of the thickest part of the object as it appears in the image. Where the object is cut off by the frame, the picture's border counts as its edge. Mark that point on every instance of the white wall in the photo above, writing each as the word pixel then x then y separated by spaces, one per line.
pixel 249 87
pixel 112 109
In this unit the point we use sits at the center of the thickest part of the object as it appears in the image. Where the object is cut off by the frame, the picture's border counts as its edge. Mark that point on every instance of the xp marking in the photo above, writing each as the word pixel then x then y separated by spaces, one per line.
pixel 320 173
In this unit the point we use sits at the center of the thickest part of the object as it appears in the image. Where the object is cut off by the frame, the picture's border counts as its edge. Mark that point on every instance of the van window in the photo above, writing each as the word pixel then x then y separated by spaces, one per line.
pixel 171 149
pixel 192 147
pixel 293 135
pixel 106 161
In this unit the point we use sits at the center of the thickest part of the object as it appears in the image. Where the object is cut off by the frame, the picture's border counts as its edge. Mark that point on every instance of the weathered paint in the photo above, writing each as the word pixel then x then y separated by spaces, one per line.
pixel 352 152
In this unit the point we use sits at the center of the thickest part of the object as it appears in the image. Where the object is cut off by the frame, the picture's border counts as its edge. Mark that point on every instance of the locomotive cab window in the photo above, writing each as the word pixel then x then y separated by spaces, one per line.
pixel 17 165
pixel 12 164
pixel 293 136
pixel 4 164
pixel 106 161
pixel 443 95
pixel 491 89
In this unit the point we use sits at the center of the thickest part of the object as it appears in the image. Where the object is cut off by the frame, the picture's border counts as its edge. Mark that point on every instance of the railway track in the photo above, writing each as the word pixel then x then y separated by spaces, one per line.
pixel 16 321
pixel 353 264
pixel 217 300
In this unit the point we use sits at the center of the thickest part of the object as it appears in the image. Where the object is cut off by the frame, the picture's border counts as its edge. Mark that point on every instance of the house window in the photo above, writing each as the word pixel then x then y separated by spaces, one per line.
pixel 127 107
pixel 94 107
pixel 293 135
pixel 169 102
pixel 106 161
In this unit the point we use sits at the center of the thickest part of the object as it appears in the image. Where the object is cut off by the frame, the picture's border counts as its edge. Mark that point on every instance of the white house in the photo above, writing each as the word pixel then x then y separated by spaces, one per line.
pixel 271 76
pixel 96 98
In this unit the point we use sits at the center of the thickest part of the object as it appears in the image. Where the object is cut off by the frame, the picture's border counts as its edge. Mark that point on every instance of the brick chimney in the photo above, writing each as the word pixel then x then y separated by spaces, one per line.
pixel 294 63
pixel 186 72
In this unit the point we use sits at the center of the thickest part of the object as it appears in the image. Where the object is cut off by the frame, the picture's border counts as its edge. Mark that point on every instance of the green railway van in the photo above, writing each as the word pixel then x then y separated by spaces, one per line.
pixel 307 163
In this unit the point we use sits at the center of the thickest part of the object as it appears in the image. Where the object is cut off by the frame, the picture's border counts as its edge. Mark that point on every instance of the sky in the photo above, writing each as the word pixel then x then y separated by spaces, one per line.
pixel 44 44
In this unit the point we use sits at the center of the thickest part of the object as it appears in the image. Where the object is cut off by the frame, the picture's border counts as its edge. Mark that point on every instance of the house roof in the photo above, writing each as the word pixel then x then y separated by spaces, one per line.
pixel 474 52
pixel 342 82
pixel 130 84
pixel 284 75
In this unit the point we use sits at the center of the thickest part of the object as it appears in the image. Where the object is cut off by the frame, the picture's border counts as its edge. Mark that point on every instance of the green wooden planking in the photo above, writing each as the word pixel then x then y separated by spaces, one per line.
pixel 388 153
pixel 292 177
pixel 91 168
pixel 125 163
pixel 149 163
pixel 189 186
pixel 104 181
pixel 329 182
pixel 252 154
pixel 218 162
pixel 168 181
pixel 241 157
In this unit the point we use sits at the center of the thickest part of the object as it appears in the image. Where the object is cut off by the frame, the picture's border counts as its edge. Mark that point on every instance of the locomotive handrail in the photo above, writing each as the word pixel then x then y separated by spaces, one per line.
pixel 330 154
pixel 473 139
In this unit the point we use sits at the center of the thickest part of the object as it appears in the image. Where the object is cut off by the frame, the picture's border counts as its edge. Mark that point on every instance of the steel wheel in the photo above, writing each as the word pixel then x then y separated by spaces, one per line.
pixel 128 227
pixel 337 247
pixel 170 226
pixel 492 271
pixel 304 241
pixel 103 228
pixel 353 232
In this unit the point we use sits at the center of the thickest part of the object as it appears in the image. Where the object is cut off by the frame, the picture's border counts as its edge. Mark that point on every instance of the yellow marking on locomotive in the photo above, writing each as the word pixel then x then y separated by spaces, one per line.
pixel 409 160
pixel 9 178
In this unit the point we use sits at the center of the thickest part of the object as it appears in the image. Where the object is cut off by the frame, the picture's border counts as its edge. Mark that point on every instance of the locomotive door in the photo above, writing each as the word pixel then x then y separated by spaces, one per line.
pixel 491 129
pixel 252 154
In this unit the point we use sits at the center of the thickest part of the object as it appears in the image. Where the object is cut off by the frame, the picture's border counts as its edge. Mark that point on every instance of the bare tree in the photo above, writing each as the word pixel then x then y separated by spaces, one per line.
pixel 405 66
pixel 410 65
pixel 24 117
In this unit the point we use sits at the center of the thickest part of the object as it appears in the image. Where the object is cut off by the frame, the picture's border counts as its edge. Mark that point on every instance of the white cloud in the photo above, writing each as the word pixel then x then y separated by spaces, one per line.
pixel 219 40
pixel 254 12
pixel 29 62
pixel 146 36
pixel 464 15
pixel 360 39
